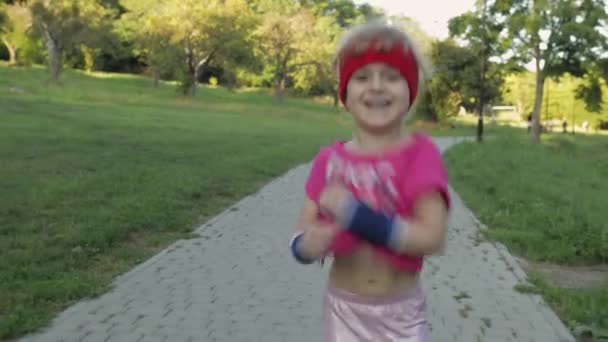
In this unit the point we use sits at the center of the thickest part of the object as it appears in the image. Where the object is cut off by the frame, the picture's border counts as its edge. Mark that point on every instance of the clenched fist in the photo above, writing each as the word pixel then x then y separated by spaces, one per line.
pixel 333 199
pixel 317 239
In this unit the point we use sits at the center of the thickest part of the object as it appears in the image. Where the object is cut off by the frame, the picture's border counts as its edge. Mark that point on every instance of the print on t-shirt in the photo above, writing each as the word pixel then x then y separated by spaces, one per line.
pixel 371 182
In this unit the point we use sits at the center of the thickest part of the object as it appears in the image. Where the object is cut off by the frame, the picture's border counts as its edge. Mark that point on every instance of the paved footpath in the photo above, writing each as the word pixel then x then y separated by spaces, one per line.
pixel 237 282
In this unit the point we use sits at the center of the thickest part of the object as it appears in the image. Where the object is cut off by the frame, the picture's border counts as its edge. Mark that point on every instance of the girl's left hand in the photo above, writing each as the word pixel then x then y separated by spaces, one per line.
pixel 333 199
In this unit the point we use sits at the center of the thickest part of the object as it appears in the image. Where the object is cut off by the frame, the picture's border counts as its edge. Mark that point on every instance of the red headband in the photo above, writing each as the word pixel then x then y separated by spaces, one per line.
pixel 396 57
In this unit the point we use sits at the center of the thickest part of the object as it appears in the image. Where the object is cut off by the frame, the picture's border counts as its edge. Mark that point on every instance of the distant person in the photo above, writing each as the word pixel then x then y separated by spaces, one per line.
pixel 379 202
pixel 529 122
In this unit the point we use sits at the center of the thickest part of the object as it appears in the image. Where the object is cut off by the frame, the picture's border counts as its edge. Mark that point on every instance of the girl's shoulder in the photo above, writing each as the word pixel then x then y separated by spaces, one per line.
pixel 418 144
pixel 423 141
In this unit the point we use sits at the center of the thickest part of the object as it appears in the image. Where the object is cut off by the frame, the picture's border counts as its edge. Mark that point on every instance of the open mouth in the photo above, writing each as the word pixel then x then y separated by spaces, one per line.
pixel 377 104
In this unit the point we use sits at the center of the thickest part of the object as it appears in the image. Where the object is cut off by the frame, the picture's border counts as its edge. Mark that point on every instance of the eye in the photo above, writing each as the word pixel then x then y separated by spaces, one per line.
pixel 361 77
pixel 393 76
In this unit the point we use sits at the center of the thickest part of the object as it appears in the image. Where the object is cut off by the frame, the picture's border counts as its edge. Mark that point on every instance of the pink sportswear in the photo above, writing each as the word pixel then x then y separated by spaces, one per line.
pixel 391 182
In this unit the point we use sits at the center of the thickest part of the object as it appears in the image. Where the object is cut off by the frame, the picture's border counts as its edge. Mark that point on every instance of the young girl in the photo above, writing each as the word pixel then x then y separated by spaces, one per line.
pixel 379 202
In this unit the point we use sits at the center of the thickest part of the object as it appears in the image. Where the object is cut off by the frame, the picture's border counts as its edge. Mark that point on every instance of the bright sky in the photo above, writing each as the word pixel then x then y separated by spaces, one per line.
pixel 433 15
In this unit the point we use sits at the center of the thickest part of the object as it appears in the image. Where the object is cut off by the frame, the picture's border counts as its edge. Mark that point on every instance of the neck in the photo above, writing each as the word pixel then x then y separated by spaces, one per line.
pixel 371 141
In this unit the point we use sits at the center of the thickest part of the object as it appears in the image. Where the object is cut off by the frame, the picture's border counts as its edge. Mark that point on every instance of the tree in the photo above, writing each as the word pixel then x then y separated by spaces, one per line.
pixel 3 18
pixel 591 90
pixel 205 31
pixel 312 69
pixel 282 41
pixel 453 64
pixel 456 79
pixel 66 24
pixel 15 35
pixel 481 33
pixel 519 90
pixel 345 12
pixel 142 25
pixel 558 36
pixel 591 93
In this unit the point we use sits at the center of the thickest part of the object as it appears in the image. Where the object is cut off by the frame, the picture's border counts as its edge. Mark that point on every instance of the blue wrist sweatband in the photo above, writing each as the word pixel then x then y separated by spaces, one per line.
pixel 375 227
pixel 295 250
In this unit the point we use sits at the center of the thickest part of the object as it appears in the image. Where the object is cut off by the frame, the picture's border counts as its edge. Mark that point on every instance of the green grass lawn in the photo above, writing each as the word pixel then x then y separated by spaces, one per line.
pixel 100 173
pixel 545 203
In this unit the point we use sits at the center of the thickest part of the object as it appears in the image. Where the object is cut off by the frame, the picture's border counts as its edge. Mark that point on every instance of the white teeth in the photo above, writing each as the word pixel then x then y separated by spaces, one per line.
pixel 378 104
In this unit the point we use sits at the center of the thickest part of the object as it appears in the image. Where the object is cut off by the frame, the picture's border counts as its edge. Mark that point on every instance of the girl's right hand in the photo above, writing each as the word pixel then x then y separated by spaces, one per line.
pixel 317 239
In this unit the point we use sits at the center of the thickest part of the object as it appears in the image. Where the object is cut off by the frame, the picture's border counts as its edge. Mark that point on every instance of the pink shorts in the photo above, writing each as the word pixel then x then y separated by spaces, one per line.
pixel 353 318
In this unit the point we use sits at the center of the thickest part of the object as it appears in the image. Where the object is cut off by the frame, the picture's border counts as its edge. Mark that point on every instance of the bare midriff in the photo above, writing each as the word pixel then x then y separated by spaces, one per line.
pixel 366 273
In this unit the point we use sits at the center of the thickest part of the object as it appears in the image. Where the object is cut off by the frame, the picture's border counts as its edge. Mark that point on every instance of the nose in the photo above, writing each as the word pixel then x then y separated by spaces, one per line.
pixel 376 81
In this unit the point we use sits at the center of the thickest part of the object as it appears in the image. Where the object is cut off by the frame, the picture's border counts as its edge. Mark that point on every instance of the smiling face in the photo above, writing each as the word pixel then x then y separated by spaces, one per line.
pixel 378 97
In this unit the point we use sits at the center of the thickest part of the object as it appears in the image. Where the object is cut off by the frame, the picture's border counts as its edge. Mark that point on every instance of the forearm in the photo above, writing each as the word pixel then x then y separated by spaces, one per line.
pixel 303 248
pixel 311 243
pixel 418 238
pixel 421 236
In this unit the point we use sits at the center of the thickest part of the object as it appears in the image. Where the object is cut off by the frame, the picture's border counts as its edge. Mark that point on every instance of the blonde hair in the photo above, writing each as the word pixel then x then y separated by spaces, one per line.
pixel 359 37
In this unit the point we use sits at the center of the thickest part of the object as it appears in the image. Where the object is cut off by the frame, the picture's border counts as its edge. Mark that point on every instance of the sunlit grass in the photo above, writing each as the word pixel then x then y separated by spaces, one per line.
pixel 545 203
pixel 99 173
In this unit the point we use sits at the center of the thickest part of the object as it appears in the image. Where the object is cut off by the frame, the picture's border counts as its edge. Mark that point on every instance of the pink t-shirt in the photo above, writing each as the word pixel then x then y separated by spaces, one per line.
pixel 390 182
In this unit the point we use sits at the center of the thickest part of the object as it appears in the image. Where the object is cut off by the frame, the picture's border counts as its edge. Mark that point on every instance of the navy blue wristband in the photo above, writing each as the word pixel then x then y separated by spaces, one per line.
pixel 295 250
pixel 375 227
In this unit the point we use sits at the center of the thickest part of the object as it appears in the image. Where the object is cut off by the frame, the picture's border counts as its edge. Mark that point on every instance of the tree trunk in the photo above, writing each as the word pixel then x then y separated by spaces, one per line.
pixel 281 76
pixel 538 100
pixel 12 51
pixel 196 68
pixel 191 90
pixel 280 88
pixel 156 78
pixel 55 58
pixel 229 79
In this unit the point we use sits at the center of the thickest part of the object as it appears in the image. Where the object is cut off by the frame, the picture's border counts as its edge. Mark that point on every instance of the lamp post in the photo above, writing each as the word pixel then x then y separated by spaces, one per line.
pixel 483 74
